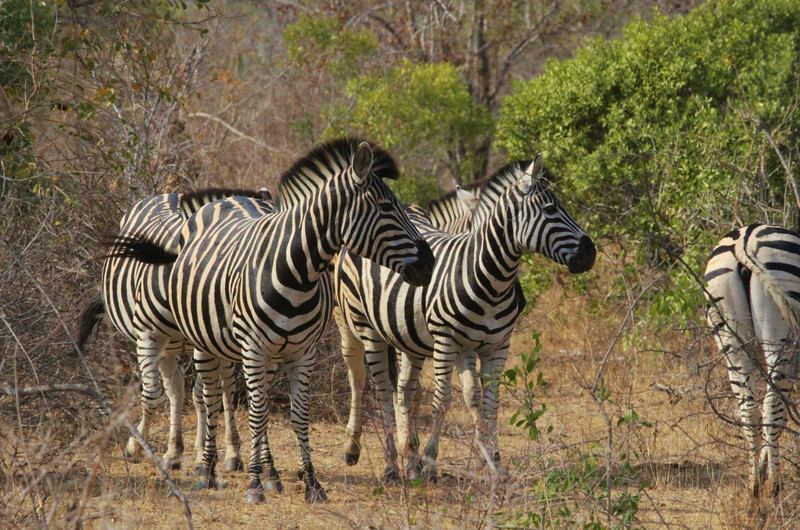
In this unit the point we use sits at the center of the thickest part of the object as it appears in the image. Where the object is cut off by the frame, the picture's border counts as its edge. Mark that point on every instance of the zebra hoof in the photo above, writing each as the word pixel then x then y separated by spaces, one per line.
pixel 391 475
pixel 171 462
pixel 415 470
pixel 429 474
pixel 315 494
pixel 208 482
pixel 133 451
pixel 274 485
pixel 134 457
pixel 255 496
pixel 351 459
pixel 234 464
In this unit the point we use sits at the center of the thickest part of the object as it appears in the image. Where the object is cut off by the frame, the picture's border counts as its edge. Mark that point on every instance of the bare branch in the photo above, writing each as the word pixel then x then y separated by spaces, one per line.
pixel 529 38
pixel 234 130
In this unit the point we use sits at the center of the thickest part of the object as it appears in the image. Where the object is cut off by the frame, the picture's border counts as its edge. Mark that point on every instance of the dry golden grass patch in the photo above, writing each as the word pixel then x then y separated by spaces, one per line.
pixel 688 467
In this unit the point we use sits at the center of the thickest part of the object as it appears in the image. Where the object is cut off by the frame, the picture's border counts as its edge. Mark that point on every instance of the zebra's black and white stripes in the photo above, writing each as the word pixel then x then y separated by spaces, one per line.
pixel 134 295
pixel 468 309
pixel 753 278
pixel 254 288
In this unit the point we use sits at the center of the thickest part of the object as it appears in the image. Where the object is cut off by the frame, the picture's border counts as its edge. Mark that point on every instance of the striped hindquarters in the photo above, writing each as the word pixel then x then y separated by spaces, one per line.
pixel 157 219
pixel 771 253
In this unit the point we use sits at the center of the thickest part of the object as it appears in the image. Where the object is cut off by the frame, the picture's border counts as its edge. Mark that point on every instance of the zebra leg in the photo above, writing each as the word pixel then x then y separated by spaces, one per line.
pixel 353 354
pixel 299 379
pixel 173 386
pixel 233 459
pixel 207 368
pixel 727 332
pixel 258 373
pixel 491 368
pixel 774 333
pixel 466 365
pixel 202 423
pixel 413 438
pixel 778 359
pixel 443 362
pixel 407 385
pixel 378 362
pixel 148 351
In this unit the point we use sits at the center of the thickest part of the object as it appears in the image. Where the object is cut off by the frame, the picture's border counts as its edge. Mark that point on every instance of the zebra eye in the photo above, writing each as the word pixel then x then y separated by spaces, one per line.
pixel 550 209
pixel 386 206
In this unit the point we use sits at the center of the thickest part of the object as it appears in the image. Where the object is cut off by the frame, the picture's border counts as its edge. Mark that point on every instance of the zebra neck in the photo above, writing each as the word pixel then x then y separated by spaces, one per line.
pixel 314 241
pixel 495 256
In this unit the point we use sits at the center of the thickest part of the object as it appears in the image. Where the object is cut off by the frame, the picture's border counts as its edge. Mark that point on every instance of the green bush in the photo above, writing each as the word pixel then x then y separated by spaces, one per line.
pixel 661 132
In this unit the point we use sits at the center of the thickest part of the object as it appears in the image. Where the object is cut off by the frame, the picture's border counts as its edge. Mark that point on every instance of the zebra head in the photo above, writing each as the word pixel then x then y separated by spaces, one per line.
pixel 374 224
pixel 542 224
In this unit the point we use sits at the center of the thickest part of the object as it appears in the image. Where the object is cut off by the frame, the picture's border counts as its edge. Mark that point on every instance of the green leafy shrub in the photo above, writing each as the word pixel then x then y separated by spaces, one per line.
pixel 662 131
pixel 421 111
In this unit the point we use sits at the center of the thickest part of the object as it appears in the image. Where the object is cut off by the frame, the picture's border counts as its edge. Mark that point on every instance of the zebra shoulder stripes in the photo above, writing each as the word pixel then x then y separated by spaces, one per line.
pixel 753 278
pixel 254 289
pixel 134 295
pixel 468 309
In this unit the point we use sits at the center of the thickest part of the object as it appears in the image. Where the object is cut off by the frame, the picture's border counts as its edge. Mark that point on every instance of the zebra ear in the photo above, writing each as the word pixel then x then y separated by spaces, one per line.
pixel 535 169
pixel 468 199
pixel 362 162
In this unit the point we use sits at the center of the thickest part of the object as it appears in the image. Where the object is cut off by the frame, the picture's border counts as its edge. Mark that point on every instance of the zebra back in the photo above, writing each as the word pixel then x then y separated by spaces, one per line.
pixel 149 237
pixel 190 202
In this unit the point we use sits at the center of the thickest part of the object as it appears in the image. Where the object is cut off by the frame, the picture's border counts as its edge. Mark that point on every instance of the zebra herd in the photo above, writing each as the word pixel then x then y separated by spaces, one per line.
pixel 245 278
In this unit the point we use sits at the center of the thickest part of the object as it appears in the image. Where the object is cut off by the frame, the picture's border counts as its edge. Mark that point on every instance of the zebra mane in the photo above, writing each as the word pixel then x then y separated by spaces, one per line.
pixel 447 211
pixel 190 202
pixel 490 189
pixel 312 171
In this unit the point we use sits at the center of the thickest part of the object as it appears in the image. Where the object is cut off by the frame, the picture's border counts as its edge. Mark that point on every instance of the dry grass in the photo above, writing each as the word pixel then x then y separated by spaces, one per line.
pixel 693 463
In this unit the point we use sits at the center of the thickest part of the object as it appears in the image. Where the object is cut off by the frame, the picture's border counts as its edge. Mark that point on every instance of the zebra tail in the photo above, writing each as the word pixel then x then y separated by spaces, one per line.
pixel 391 359
pixel 141 249
pixel 782 298
pixel 89 318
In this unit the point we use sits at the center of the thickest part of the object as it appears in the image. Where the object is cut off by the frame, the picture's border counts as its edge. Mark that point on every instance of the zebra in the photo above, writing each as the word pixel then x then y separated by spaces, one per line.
pixel 753 278
pixel 467 311
pixel 134 295
pixel 255 288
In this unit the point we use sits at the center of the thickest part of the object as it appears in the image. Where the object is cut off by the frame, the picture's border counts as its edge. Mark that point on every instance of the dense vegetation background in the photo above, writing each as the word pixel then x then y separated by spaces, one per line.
pixel 666 122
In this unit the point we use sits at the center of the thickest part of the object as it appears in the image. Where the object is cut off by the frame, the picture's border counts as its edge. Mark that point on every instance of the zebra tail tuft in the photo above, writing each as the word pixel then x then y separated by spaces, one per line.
pixel 89 318
pixel 785 301
pixel 139 248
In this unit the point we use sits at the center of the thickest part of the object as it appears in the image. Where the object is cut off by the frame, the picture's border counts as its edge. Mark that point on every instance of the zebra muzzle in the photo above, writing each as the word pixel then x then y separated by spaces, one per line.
pixel 583 259
pixel 420 271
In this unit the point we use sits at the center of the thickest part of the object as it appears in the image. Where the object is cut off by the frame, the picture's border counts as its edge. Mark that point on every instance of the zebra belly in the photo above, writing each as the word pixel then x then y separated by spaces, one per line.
pixel 282 338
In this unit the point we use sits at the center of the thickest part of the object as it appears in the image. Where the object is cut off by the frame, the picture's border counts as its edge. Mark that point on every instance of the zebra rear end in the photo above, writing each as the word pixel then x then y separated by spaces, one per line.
pixel 753 278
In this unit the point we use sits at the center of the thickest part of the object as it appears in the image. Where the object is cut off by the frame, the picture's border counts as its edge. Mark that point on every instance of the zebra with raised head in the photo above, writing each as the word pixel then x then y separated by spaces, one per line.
pixel 134 295
pixel 753 278
pixel 255 289
pixel 468 309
